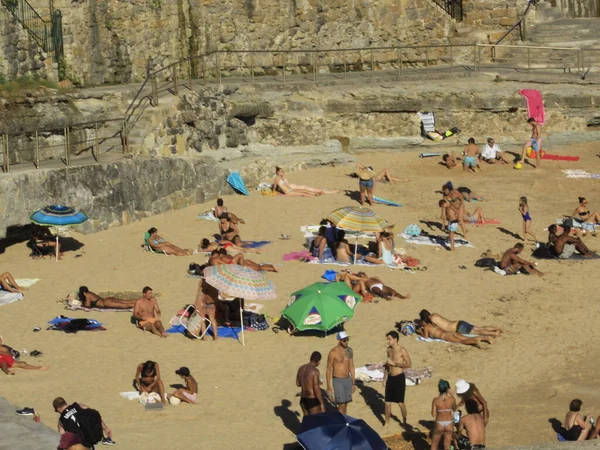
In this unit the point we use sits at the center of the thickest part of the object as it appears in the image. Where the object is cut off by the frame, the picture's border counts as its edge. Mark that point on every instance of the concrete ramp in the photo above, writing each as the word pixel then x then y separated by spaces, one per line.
pixel 22 432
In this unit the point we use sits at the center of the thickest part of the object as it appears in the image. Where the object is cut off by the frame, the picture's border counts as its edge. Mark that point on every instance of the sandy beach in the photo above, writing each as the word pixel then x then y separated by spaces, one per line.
pixel 547 357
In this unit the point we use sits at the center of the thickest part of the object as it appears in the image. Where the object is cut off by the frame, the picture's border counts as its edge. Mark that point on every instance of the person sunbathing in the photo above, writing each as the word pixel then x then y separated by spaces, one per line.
pixel 281 184
pixel 44 239
pixel 469 195
pixel 475 218
pixel 566 245
pixel 343 252
pixel 219 257
pixel 92 300
pixel 318 247
pixel 385 250
pixel 146 313
pixel 577 429
pixel 147 379
pixel 157 243
pixel 8 363
pixel 450 160
pixel 459 326
pixel 375 286
pixel 220 210
pixel 586 218
pixel 512 264
pixel 207 246
pixel 428 330
pixel 9 284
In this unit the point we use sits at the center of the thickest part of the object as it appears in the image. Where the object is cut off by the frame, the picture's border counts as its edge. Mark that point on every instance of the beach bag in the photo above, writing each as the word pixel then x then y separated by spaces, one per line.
pixel 485 262
pixel 410 261
pixel 412 230
pixel 329 275
pixel 90 424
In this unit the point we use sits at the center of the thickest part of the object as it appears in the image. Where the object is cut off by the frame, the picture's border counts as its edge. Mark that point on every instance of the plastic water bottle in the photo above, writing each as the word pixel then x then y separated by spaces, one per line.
pixel 457 415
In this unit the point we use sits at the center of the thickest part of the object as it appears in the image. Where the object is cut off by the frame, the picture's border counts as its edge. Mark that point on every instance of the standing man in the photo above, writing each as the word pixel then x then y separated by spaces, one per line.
pixel 474 424
pixel 308 379
pixel 85 425
pixel 340 372
pixel 394 379
pixel 535 142
pixel 147 313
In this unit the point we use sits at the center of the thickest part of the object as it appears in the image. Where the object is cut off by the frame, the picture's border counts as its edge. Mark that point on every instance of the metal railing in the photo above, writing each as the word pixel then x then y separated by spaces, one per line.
pixel 520 24
pixel 452 7
pixel 77 139
pixel 530 58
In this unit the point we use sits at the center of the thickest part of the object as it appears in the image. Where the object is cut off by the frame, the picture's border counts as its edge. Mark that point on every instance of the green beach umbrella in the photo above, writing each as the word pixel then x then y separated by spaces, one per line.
pixel 321 306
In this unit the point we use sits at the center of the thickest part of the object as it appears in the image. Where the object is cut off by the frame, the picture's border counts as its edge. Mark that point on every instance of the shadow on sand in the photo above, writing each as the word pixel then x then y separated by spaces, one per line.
pixel 290 419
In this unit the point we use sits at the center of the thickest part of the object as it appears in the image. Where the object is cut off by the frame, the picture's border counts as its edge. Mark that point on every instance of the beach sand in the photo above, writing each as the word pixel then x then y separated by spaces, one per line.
pixel 547 356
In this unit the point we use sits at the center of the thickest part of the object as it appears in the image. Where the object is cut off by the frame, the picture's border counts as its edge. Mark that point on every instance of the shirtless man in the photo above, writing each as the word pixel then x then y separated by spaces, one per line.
pixel 449 215
pixel 147 313
pixel 340 372
pixel 566 245
pixel 456 202
pixel 205 303
pixel 92 300
pixel 308 379
pixel 188 394
pixel 535 142
pixel 474 425
pixel 471 152
pixel 429 330
pixel 394 380
pixel 458 326
pixel 511 263
pixel 449 160
pixel 8 363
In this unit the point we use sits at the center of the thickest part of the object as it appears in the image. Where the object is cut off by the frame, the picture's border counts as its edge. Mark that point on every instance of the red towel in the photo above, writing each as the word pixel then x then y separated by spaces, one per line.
pixel 535 104
pixel 560 157
pixel 489 222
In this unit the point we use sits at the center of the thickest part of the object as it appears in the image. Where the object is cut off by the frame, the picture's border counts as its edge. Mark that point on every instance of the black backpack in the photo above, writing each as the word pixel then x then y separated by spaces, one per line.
pixel 90 424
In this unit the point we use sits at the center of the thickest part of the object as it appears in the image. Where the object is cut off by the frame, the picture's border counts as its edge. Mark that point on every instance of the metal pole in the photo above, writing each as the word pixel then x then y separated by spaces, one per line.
pixel 312 57
pixel 252 67
pixel 451 59
pixel 37 150
pixel 174 76
pixel 96 147
pixel 427 61
pixel 372 65
pixel 344 58
pixel 528 60
pixel 124 137
pixel 218 66
pixel 283 64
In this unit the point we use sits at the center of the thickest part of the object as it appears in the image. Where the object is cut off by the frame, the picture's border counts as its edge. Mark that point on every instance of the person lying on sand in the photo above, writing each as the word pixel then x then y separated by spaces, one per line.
pixel 92 300
pixel 459 326
pixel 450 160
pixel 8 363
pixel 476 217
pixel 9 284
pixel 159 244
pixel 281 184
pixel 220 210
pixel 207 246
pixel 147 313
pixel 429 330
pixel 469 195
pixel 512 264
pixel 218 257
pixel 362 284
pixel 566 245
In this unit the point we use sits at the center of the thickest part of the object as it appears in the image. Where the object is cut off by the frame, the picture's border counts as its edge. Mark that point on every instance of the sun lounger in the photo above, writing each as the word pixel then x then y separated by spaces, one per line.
pixel 149 248
pixel 193 324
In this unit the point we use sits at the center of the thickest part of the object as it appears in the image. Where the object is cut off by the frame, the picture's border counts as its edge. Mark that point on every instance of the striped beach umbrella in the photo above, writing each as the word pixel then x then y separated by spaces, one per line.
pixel 357 219
pixel 238 281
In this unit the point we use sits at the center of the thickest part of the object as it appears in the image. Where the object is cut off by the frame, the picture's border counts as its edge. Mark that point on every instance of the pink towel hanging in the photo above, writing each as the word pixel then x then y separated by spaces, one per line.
pixel 535 104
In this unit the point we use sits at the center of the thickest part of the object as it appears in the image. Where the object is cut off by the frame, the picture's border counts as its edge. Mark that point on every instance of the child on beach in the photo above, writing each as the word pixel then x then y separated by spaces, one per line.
pixel 471 153
pixel 188 394
pixel 524 210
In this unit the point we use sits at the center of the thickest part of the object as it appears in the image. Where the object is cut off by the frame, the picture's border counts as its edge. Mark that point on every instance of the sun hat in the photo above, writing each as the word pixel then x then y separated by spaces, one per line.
pixel 462 386
pixel 342 335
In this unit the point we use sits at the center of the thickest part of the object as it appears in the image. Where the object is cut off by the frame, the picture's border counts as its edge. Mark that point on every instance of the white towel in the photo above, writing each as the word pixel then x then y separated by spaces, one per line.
pixel 132 395
pixel 9 297
pixel 26 282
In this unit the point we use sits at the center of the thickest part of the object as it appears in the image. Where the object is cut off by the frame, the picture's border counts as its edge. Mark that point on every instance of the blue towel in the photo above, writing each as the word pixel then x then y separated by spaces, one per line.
pixel 92 323
pixel 255 244
pixel 383 201
pixel 224 332
pixel 235 181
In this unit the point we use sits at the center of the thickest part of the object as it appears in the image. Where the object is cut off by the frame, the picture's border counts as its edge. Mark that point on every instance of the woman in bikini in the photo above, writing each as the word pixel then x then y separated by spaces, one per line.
pixel 159 244
pixel 385 250
pixel 229 231
pixel 456 202
pixel 147 379
pixel 466 391
pixel 442 408
pixel 219 257
pixel 9 284
pixel 281 184
pixel 586 218
pixel 318 247
pixel 220 209
pixel 524 210
pixel 92 300
pixel 206 246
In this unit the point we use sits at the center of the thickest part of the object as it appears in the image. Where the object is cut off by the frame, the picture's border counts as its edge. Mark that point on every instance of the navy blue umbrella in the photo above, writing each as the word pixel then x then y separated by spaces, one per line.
pixel 336 431
pixel 57 216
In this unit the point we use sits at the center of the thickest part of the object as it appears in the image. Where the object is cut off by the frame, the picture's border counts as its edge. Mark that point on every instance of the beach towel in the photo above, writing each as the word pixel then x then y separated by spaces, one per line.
pixel 26 282
pixel 422 339
pixel 235 181
pixel 375 372
pixel 72 307
pixel 580 174
pixel 10 297
pixel 224 332
pixel 72 325
pixel 208 215
pixel 131 395
pixel 312 230
pixel 255 244
pixel 359 262
pixel 296 256
pixel 488 222
pixel 441 241
pixel 535 104
pixel 383 201
pixel 560 157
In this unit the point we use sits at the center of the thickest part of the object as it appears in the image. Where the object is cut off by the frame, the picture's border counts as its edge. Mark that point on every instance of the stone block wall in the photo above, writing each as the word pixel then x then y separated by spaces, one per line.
pixel 579 8
pixel 497 16
pixel 20 56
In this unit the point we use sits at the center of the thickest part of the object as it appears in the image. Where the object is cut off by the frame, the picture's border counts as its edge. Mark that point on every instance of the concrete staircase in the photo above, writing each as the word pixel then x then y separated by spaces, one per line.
pixel 578 32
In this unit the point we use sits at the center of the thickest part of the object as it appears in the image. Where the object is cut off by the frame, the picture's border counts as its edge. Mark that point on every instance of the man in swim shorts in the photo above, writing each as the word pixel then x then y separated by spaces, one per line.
pixel 147 313
pixel 188 394
pixel 8 364
pixel 535 142
pixel 459 326
pixel 566 245
pixel 394 379
pixel 471 152
pixel 474 424
pixel 449 214
pixel 308 380
pixel 340 373
pixel 512 264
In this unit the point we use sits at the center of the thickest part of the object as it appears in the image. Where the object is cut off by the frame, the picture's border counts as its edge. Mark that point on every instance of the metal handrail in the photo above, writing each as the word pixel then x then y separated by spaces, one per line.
pixel 453 7
pixel 518 24
pixel 34 24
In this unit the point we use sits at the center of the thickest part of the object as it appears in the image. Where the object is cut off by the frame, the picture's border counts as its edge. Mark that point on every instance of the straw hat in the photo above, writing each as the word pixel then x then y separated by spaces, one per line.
pixel 462 386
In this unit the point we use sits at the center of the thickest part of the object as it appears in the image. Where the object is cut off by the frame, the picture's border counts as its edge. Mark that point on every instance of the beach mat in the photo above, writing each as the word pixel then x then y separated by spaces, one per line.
pixel 333 262
pixel 580 174
pixel 440 241
pixel 237 183
pixel 535 104
pixel 560 157
pixel 296 256
pixel 83 308
pixel 255 244
pixel 542 252
pixel 26 282
pixel 384 201
pixel 208 215
pixel 62 324
pixel 423 339
pixel 487 222
pixel 10 297
pixel 224 332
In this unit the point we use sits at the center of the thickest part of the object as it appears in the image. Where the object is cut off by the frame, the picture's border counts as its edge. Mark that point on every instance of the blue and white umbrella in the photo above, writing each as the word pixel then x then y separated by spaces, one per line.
pixel 57 216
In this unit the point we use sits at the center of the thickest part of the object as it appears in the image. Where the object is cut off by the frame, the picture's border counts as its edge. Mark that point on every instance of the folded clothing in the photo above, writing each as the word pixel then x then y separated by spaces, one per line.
pixel 442 241
pixel 70 325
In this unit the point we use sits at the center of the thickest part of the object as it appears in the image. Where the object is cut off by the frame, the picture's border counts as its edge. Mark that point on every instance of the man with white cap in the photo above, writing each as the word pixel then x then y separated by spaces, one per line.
pixel 467 391
pixel 340 372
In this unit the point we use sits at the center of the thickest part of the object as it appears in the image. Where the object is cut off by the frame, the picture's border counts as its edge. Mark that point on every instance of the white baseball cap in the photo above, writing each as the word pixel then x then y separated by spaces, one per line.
pixel 462 386
pixel 342 335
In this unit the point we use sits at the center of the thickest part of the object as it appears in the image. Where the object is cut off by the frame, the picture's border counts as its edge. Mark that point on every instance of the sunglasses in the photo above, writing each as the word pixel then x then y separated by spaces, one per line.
pixel 345 340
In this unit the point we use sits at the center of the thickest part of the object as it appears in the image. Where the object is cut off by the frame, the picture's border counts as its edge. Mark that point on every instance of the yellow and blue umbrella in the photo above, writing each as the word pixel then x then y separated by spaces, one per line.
pixel 357 219
pixel 58 216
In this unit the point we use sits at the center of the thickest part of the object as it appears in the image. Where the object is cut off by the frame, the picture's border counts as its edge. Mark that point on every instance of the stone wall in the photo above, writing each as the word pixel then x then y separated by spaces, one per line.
pixel 20 56
pixel 579 8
